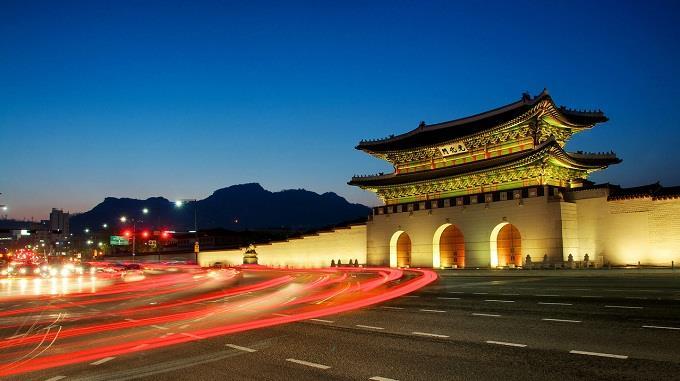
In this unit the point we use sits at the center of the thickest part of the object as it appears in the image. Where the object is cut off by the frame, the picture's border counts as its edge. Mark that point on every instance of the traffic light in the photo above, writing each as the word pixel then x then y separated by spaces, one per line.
pixel 127 233
pixel 145 234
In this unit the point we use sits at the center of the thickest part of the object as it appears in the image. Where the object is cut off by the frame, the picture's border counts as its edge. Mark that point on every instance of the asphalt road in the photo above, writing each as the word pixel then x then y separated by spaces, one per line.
pixel 469 325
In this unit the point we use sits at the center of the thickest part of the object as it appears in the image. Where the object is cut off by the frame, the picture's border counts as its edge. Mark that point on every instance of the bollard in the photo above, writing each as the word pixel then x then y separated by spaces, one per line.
pixel 332 262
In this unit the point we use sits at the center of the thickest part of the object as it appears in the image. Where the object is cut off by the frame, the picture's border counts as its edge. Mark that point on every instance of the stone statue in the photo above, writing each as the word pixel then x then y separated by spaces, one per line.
pixel 250 256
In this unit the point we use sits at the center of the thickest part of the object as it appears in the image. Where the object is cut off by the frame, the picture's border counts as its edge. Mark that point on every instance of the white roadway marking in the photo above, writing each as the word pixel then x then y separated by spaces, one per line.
pixel 323 321
pixel 56 378
pixel 368 326
pixel 438 311
pixel 489 315
pixel 159 327
pixel 99 362
pixel 448 298
pixel 661 327
pixel 282 315
pixel 546 295
pixel 128 319
pixel 635 297
pixel 590 296
pixel 562 320
pixel 184 326
pixel 16 336
pixel 626 307
pixel 499 301
pixel 509 294
pixel 191 335
pixel 307 363
pixel 506 343
pixel 240 348
pixel 393 308
pixel 556 304
pixel 378 378
pixel 140 346
pixel 456 292
pixel 480 293
pixel 428 334
pixel 598 354
pixel 411 296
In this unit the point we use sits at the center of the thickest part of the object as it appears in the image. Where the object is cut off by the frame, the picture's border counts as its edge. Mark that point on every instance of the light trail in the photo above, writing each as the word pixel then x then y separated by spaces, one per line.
pixel 302 294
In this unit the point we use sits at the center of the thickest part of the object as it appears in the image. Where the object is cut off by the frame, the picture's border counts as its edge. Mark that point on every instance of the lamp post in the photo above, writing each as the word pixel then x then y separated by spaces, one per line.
pixel 134 221
pixel 179 204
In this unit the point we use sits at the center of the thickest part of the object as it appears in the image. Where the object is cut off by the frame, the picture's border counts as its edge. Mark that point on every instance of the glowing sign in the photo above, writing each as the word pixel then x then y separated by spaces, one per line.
pixel 119 241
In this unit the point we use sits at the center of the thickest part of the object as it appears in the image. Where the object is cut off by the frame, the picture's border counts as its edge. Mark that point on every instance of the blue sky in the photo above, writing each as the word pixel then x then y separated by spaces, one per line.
pixel 179 98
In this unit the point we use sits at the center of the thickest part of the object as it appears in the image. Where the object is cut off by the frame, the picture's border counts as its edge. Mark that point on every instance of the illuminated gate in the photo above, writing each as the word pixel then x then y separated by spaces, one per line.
pixel 404 250
pixel 509 243
pixel 452 247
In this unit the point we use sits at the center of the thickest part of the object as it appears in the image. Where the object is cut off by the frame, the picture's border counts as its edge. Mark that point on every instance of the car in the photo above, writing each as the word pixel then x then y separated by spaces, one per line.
pixel 26 269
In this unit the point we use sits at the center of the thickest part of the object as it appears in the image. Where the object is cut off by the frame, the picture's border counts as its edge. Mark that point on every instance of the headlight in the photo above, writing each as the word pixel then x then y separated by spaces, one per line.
pixel 64 272
pixel 36 270
pixel 45 268
pixel 79 270
pixel 93 270
pixel 10 269
pixel 3 272
pixel 22 271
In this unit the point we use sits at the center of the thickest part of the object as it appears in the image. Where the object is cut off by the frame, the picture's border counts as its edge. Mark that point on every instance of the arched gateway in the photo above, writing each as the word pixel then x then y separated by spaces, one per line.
pixel 506 245
pixel 400 250
pixel 448 247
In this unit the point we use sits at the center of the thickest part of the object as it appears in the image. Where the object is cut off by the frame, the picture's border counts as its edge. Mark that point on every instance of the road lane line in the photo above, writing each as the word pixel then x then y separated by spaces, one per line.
pixel 282 315
pixel 625 307
pixel 562 320
pixel 480 293
pixel 590 296
pixel 661 327
pixel 636 297
pixel 368 326
pixel 506 343
pixel 510 294
pixel 159 327
pixel 184 326
pixel 393 308
pixel 551 295
pixel 581 289
pixel 411 296
pixel 140 346
pixel 456 292
pixel 191 335
pixel 499 301
pixel 598 354
pixel 307 363
pixel 378 378
pixel 448 298
pixel 56 378
pixel 428 334
pixel 16 336
pixel 323 321
pixel 128 319
pixel 489 315
pixel 99 362
pixel 240 348
pixel 437 311
pixel 555 304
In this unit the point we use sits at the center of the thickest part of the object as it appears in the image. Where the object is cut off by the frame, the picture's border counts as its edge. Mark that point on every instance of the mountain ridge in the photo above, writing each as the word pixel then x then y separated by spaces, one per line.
pixel 245 206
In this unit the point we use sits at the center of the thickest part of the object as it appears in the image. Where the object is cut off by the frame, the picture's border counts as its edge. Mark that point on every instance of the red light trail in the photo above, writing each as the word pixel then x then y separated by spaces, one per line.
pixel 213 303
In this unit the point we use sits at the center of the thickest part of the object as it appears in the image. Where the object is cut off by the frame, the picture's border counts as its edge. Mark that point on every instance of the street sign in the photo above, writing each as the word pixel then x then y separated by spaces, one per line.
pixel 119 241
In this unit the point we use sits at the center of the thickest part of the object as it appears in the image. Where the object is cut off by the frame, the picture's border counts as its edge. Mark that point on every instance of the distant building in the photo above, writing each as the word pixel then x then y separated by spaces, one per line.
pixel 59 221
pixel 490 189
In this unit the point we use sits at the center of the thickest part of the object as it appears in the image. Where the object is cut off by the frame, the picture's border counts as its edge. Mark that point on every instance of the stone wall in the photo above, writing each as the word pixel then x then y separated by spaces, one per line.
pixel 308 251
pixel 538 220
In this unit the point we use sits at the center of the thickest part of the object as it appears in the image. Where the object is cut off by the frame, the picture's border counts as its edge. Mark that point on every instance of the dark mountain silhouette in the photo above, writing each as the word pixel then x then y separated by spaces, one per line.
pixel 238 207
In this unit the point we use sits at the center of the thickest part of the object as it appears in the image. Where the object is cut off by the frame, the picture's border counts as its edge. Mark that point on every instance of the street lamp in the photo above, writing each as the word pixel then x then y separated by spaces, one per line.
pixel 179 204
pixel 105 225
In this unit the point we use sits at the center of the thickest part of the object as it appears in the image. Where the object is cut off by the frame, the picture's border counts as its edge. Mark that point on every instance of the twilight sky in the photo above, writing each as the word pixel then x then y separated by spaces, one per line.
pixel 179 98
